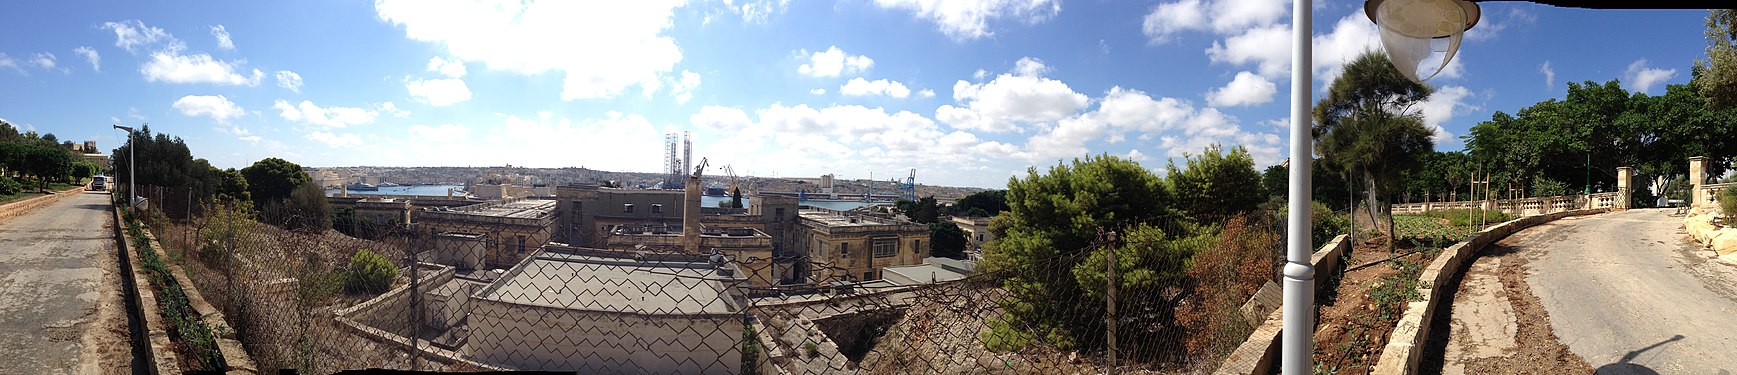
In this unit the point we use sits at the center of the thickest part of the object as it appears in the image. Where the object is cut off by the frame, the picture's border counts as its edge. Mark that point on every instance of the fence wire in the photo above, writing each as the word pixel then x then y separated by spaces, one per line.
pixel 364 293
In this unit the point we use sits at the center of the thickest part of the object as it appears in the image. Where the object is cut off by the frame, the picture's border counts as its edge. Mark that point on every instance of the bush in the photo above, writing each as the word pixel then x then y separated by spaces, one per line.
pixel 1728 203
pixel 9 187
pixel 369 273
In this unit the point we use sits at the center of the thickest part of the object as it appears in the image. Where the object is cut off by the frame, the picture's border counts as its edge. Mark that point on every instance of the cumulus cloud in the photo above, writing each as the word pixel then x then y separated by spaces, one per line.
pixel 309 113
pixel 1003 104
pixel 861 87
pixel 336 140
pixel 751 11
pixel 217 107
pixel 832 62
pixel 1246 89
pixel 441 92
pixel 90 55
pixel 1641 78
pixel 289 80
pixel 222 36
pixel 927 93
pixel 1443 105
pixel 536 37
pixel 1268 48
pixel 683 88
pixel 451 68
pixel 1167 19
pixel 169 61
pixel 969 19
pixel 817 91
pixel 44 60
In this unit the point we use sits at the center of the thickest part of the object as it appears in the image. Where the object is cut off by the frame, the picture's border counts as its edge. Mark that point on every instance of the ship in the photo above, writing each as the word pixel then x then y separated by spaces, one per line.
pixel 715 191
pixel 362 187
pixel 388 184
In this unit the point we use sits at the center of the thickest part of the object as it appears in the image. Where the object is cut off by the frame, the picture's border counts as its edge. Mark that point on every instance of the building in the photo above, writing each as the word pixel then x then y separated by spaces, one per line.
pixel 514 228
pixel 976 232
pixel 597 311
pixel 933 270
pixel 851 246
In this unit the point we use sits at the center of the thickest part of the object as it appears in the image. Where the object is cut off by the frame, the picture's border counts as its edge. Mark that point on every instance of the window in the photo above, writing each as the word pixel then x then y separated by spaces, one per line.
pixel 627 208
pixel 866 276
pixel 844 250
pixel 916 246
pixel 886 247
pixel 778 215
pixel 657 208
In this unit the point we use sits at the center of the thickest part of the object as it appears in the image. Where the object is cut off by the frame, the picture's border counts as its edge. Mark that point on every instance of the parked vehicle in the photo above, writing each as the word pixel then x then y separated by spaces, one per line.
pixel 99 183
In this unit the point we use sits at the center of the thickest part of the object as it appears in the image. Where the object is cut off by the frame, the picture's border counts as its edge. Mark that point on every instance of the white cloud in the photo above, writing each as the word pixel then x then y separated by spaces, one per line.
pixel 1442 106
pixel 43 60
pixel 1641 78
pixel 1220 16
pixel 969 19
pixel 1030 67
pixel 927 93
pixel 980 74
pixel 289 80
pixel 752 11
pixel 438 92
pixel 8 62
pixel 861 87
pixel 623 43
pixel 832 62
pixel 1549 74
pixel 1352 36
pixel 217 107
pixel 451 68
pixel 134 34
pixel 720 118
pixel 392 109
pixel 222 36
pixel 683 88
pixel 1003 104
pixel 817 91
pixel 171 67
pixel 336 140
pixel 1268 47
pixel 90 55
pixel 1246 89
pixel 331 117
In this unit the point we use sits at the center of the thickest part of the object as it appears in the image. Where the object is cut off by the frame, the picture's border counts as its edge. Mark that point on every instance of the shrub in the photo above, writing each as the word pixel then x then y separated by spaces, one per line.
pixel 1728 203
pixel 369 273
pixel 9 186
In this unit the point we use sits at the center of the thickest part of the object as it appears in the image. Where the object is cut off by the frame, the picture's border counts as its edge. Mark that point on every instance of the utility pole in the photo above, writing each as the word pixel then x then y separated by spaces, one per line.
pixel 132 172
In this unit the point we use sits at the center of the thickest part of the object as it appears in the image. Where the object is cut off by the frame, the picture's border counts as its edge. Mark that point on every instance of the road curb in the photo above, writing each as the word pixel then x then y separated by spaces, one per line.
pixel 28 205
pixel 161 357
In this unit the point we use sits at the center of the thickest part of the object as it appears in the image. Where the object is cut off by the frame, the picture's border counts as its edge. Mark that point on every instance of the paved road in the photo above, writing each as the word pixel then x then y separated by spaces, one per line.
pixel 58 288
pixel 1625 291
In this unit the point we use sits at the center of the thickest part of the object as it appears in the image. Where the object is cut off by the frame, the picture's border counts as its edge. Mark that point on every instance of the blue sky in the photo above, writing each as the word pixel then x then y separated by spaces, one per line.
pixel 967 92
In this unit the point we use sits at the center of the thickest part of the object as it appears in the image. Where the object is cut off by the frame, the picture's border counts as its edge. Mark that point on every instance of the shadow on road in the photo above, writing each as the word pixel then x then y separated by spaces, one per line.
pixel 94 207
pixel 1623 367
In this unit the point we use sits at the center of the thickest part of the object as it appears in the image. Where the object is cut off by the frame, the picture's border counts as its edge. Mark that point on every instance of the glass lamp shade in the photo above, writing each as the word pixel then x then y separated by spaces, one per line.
pixel 1416 31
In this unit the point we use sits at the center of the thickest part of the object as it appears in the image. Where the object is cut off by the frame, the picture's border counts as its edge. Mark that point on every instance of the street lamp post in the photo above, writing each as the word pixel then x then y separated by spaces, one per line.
pixel 132 163
pixel 1298 347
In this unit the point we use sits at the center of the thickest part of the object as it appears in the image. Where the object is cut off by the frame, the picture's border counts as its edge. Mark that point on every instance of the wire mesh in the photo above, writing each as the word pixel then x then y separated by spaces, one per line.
pixel 456 296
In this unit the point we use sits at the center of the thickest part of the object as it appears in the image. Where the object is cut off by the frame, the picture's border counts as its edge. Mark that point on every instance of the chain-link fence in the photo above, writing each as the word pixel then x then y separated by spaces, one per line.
pixel 479 295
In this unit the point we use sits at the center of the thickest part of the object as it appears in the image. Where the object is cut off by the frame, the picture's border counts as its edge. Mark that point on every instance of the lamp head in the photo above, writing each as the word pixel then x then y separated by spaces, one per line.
pixel 127 128
pixel 1417 31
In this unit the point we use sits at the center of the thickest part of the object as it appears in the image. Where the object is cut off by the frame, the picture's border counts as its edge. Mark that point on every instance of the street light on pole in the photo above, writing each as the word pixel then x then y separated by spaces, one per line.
pixel 132 173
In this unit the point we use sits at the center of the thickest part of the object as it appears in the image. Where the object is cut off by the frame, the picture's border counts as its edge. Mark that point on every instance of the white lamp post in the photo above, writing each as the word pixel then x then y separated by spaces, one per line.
pixel 1411 30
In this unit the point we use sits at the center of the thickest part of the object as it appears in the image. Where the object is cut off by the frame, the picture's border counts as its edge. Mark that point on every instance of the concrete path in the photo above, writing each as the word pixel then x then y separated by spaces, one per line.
pixel 59 292
pixel 1627 292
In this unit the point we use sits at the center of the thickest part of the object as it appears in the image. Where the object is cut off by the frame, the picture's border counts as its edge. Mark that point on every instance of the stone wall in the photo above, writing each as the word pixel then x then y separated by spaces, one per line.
pixel 1258 354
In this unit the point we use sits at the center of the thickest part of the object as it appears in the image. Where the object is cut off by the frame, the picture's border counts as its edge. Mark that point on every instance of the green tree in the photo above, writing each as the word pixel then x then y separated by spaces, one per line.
pixel 926 211
pixel 47 163
pixel 306 209
pixel 1217 184
pixel 1052 221
pixel 369 273
pixel 1366 126
pixel 946 240
pixel 981 204
pixel 273 179
pixel 1716 77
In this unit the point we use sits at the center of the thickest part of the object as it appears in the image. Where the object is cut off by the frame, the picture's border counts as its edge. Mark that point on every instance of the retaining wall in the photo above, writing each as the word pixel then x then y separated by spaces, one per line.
pixel 28 205
pixel 1258 354
pixel 142 303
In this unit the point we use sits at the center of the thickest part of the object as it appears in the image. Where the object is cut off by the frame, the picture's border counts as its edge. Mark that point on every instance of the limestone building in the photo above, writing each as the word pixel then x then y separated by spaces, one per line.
pixel 845 246
pixel 514 228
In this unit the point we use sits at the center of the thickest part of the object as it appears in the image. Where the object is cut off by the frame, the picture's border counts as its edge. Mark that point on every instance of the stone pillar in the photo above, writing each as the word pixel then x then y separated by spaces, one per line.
pixel 691 216
pixel 1624 187
pixel 1697 177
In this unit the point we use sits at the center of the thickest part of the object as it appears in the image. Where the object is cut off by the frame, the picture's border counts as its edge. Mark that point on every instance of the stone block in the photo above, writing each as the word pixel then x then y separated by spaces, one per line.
pixel 1730 259
pixel 1724 241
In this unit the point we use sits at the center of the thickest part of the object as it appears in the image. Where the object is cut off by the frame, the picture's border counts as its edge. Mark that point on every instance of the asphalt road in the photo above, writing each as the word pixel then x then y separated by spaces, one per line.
pixel 1630 294
pixel 55 265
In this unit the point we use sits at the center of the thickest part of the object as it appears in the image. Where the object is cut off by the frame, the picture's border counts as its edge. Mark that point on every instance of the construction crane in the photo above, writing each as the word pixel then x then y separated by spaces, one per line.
pixel 700 169
pixel 908 190
pixel 734 188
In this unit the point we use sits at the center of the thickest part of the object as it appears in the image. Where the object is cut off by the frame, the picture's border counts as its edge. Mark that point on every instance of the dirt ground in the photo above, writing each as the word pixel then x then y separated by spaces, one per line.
pixel 1349 334
pixel 1538 350
pixel 107 349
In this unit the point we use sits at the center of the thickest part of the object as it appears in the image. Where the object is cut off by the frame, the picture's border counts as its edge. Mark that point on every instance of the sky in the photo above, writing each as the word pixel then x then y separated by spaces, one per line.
pixel 968 93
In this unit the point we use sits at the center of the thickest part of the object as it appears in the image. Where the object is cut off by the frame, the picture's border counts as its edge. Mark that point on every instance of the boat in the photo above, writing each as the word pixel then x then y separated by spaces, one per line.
pixel 715 191
pixel 362 187
pixel 388 184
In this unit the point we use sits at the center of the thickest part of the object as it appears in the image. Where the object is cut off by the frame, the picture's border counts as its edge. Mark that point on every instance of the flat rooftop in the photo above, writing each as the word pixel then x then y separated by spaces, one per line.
pixel 835 219
pixel 585 282
pixel 523 209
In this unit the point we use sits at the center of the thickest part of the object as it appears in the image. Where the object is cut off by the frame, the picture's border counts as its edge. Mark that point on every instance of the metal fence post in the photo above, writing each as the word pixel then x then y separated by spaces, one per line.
pixel 416 314
pixel 1110 316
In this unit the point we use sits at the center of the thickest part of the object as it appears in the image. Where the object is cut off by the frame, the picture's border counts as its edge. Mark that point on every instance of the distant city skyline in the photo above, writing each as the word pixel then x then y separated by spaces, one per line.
pixel 969 93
